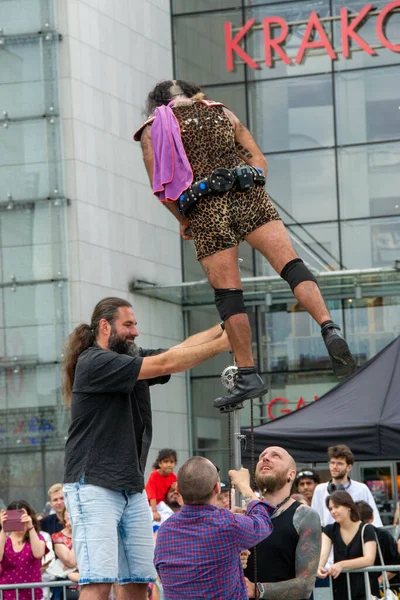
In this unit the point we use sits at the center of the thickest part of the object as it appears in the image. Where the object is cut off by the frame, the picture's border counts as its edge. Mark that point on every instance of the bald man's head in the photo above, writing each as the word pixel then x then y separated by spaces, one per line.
pixel 275 469
pixel 196 480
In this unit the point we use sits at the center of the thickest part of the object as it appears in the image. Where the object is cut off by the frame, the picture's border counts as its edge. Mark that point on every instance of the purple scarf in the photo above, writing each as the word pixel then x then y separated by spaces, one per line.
pixel 172 172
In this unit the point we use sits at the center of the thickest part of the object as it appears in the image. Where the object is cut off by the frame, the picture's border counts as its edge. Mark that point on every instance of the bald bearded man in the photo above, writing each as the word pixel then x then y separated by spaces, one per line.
pixel 287 561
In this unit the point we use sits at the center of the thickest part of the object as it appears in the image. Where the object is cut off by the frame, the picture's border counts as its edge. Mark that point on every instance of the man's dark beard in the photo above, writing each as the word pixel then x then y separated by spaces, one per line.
pixel 121 345
pixel 174 505
pixel 271 483
pixel 341 475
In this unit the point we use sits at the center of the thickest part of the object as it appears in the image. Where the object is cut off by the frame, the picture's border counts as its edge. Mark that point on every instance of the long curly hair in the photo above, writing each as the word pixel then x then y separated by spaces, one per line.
pixel 84 336
pixel 160 95
pixel 17 505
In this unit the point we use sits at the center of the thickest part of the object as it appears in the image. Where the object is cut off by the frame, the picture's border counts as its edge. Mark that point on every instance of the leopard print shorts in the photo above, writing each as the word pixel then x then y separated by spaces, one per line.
pixel 221 222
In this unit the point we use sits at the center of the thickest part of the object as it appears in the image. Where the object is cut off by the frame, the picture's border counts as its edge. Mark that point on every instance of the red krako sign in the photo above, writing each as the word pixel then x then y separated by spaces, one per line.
pixel 284 411
pixel 314 36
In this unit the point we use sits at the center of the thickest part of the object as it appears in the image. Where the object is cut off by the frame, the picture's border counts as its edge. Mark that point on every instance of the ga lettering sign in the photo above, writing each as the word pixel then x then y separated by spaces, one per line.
pixel 284 411
pixel 349 23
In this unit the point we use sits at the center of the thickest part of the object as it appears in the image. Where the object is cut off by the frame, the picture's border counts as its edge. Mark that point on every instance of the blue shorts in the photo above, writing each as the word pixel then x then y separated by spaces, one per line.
pixel 111 534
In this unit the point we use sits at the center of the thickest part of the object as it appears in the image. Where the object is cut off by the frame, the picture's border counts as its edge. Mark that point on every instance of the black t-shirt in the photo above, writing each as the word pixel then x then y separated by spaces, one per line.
pixel 341 551
pixel 110 433
pixel 389 551
pixel 276 554
pixel 388 547
pixel 51 524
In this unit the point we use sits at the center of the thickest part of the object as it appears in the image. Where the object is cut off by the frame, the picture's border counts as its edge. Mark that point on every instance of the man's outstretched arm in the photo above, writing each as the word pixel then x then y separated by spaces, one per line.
pixel 202 337
pixel 178 359
pixel 307 524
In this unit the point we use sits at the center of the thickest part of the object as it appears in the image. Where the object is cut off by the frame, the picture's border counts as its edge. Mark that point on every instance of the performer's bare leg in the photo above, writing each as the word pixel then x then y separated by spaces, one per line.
pixel 222 271
pixel 273 242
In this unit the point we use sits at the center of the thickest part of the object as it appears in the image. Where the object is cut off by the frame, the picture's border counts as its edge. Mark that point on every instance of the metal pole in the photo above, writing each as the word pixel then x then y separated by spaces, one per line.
pixel 237 451
pixel 348 585
pixel 188 384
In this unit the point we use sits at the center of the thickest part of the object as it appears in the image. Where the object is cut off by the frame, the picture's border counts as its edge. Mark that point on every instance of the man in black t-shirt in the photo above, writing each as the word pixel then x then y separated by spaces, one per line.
pixel 287 561
pixel 106 380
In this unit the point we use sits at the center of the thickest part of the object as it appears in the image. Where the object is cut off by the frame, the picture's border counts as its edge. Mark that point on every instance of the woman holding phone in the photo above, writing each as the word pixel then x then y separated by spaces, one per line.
pixel 21 550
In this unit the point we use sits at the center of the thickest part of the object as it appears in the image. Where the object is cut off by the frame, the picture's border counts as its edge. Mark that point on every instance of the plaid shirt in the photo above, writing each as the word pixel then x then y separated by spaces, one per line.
pixel 198 549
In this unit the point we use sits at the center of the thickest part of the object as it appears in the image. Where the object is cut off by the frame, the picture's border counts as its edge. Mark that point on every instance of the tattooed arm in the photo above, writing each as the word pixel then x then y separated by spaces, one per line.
pixel 246 145
pixel 308 526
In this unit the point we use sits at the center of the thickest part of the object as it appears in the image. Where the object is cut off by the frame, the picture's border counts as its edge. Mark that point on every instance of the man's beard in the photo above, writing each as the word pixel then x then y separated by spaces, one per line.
pixel 174 504
pixel 340 475
pixel 121 345
pixel 271 483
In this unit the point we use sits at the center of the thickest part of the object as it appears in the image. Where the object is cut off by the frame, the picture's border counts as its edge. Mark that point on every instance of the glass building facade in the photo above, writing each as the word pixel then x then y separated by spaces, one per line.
pixel 330 130
pixel 34 314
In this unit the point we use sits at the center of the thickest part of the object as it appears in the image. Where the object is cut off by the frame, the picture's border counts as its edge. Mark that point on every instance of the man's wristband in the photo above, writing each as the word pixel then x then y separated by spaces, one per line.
pixel 260 590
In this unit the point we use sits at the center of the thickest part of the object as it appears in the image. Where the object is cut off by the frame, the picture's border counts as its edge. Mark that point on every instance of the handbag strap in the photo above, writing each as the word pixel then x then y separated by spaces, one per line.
pixel 385 580
pixel 367 582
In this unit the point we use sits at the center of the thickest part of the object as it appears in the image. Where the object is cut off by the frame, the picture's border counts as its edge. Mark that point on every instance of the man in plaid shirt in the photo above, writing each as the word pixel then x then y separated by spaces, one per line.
pixel 197 552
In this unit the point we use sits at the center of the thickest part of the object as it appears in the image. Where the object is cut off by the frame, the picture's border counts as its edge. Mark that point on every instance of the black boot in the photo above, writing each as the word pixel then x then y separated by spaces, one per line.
pixel 247 385
pixel 343 362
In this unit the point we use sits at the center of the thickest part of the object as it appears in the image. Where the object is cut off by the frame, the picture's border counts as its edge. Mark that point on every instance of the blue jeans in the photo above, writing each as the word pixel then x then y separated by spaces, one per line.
pixel 111 534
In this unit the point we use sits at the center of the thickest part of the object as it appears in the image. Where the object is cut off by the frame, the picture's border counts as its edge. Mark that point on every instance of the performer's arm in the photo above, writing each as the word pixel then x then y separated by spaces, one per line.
pixel 308 526
pixel 246 145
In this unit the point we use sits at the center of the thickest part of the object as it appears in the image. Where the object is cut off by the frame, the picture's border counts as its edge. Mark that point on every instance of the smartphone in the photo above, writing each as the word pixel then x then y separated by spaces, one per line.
pixel 13 522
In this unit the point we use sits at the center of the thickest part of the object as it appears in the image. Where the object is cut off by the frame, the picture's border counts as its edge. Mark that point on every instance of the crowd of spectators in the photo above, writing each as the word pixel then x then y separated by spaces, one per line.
pixel 40 548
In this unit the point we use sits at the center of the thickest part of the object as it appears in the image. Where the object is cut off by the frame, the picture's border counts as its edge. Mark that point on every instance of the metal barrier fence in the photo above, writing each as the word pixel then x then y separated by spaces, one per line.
pixel 64 584
pixel 327 592
pixel 318 593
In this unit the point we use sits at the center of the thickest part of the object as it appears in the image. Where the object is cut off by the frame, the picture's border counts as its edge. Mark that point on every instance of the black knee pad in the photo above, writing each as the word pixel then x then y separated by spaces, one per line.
pixel 229 302
pixel 295 271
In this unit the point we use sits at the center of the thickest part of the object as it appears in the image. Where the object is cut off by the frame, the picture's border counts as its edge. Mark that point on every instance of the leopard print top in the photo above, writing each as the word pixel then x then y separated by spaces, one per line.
pixel 222 221
pixel 208 138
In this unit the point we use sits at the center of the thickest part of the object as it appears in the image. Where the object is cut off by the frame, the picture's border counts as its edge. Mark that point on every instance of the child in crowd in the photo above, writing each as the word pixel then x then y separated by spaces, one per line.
pixel 161 478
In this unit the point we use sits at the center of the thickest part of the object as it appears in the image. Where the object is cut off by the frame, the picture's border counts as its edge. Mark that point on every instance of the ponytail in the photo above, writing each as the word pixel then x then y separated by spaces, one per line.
pixel 80 339
pixel 84 336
